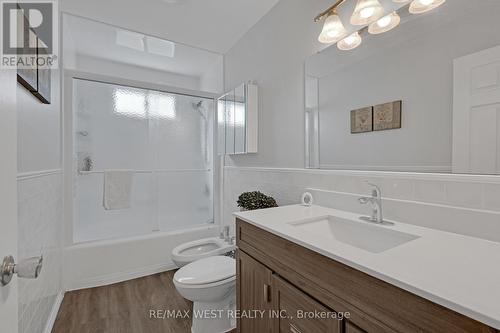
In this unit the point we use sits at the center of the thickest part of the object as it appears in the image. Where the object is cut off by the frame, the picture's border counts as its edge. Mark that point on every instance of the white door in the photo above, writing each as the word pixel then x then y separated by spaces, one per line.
pixel 476 113
pixel 8 195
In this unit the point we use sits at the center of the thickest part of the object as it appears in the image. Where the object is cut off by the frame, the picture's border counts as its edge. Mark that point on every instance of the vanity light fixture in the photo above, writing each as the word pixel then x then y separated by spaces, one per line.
pixel 422 6
pixel 384 24
pixel 350 42
pixel 366 12
pixel 333 29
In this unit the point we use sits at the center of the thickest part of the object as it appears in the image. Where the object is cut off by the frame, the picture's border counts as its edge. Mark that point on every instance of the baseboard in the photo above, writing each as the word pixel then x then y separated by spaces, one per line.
pixel 53 313
pixel 108 279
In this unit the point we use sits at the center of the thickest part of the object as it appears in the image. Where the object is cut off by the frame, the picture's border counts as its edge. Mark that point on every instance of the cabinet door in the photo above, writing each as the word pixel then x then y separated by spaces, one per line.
pixel 351 328
pixel 298 313
pixel 253 292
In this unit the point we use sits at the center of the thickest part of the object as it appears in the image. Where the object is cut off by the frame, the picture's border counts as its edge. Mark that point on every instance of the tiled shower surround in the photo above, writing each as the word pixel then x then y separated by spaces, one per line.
pixel 463 204
pixel 40 229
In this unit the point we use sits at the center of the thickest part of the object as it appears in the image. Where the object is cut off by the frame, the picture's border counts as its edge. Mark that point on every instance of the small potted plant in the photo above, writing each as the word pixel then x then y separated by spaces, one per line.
pixel 255 200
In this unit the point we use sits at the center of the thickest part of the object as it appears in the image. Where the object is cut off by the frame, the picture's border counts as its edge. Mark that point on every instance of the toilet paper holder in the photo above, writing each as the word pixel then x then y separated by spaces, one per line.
pixel 29 268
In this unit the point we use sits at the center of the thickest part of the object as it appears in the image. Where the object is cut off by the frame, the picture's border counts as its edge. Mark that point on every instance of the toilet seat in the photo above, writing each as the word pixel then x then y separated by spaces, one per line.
pixel 202 248
pixel 210 271
pixel 210 284
pixel 204 286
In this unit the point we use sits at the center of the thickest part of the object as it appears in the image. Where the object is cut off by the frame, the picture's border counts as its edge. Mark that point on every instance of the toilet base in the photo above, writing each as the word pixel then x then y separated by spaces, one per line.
pixel 216 317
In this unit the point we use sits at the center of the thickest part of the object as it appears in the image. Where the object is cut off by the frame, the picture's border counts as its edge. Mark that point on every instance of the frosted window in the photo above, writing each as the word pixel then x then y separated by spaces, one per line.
pixel 130 103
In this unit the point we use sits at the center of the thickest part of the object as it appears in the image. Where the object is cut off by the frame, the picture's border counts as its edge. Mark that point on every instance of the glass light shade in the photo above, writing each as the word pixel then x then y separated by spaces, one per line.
pixel 333 30
pixel 384 24
pixel 422 6
pixel 366 12
pixel 350 42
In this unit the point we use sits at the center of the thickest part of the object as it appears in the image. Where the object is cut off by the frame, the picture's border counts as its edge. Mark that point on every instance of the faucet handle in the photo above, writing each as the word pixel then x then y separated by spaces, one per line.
pixel 376 192
pixel 225 231
pixel 363 200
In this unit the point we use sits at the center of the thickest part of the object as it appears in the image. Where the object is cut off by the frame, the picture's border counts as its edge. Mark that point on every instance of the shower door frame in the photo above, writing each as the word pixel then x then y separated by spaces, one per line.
pixel 68 139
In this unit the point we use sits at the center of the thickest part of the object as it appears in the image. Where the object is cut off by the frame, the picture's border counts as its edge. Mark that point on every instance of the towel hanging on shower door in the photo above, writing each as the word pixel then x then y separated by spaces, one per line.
pixel 117 189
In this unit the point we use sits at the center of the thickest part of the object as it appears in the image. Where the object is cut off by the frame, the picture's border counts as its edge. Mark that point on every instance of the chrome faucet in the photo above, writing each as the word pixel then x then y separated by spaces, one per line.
pixel 224 234
pixel 376 201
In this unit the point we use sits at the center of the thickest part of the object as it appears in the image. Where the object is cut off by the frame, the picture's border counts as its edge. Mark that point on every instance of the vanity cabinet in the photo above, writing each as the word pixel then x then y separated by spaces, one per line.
pixel 253 291
pixel 299 313
pixel 275 274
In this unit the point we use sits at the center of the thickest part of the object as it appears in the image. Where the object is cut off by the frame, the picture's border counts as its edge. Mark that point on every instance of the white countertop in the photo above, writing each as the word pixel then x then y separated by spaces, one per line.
pixel 459 272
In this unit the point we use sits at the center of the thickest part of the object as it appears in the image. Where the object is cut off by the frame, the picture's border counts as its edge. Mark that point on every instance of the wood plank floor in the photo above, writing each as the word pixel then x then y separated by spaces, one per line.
pixel 124 307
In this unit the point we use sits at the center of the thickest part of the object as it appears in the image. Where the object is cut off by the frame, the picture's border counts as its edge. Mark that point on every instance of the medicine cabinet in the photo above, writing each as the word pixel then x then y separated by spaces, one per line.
pixel 237 119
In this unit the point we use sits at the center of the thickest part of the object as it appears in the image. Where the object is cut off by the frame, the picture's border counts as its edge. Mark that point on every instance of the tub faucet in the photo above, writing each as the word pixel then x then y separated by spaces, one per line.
pixel 224 234
pixel 376 201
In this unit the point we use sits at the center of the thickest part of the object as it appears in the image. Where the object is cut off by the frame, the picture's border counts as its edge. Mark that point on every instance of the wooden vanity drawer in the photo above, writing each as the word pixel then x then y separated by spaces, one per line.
pixel 303 314
pixel 351 328
pixel 374 305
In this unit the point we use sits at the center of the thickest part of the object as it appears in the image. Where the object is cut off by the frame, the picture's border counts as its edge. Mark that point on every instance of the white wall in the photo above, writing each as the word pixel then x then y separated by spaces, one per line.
pixel 39 131
pixel 272 53
pixel 131 72
pixel 39 204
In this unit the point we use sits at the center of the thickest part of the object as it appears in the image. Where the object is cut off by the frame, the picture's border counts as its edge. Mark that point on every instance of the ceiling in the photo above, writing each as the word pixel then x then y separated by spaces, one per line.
pixel 214 25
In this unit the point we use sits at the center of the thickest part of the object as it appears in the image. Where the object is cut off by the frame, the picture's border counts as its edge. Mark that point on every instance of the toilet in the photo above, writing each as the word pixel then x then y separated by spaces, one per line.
pixel 199 249
pixel 210 283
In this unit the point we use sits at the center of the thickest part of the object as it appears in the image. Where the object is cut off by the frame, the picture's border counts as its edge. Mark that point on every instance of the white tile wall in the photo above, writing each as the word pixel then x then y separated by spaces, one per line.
pixel 462 204
pixel 40 230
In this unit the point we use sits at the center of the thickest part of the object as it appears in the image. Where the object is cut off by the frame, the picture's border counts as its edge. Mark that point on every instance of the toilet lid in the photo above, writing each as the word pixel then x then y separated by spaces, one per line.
pixel 205 271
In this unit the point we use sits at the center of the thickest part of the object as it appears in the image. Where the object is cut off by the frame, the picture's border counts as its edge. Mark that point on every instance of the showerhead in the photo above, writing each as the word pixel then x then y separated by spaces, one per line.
pixel 198 105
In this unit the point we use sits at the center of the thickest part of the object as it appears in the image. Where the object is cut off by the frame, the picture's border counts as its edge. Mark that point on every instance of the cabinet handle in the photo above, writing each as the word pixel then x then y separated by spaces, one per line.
pixel 294 329
pixel 267 294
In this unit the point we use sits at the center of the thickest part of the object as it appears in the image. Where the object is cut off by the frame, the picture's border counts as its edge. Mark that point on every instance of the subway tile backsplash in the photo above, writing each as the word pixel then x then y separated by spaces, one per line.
pixel 39 231
pixel 462 204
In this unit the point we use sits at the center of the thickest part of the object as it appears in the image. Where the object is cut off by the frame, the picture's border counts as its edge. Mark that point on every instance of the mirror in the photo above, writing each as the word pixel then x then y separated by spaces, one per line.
pixel 423 97
pixel 237 120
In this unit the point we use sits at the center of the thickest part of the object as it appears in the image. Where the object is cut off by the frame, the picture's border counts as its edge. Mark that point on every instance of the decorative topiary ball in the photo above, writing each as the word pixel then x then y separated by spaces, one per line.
pixel 255 200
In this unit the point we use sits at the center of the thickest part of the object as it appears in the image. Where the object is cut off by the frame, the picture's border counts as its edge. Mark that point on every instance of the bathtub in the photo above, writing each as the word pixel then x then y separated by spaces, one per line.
pixel 100 263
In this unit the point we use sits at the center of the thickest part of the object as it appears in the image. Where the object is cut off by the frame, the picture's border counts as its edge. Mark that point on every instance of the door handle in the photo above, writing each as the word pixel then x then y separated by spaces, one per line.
pixel 29 269
pixel 267 293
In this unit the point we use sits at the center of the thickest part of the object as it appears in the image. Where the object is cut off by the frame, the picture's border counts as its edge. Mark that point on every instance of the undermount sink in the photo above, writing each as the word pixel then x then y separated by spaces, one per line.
pixel 369 237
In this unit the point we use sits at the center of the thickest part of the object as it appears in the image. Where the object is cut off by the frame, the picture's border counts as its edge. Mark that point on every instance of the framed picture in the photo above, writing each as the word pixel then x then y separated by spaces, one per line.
pixel 35 79
pixel 362 120
pixel 387 116
pixel 27 76
pixel 43 90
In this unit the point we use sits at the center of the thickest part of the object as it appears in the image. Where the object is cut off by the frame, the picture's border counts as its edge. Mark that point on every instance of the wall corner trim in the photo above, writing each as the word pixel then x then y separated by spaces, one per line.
pixel 53 313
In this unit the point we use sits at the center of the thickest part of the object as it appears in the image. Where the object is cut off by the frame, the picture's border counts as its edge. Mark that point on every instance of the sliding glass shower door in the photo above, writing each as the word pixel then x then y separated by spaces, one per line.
pixel 164 140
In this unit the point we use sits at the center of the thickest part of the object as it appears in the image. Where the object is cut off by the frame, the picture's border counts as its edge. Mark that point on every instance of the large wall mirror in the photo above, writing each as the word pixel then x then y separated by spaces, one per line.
pixel 423 97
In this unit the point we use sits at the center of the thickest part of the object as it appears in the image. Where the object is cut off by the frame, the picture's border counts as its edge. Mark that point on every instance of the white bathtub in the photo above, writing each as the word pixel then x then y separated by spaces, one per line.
pixel 101 263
